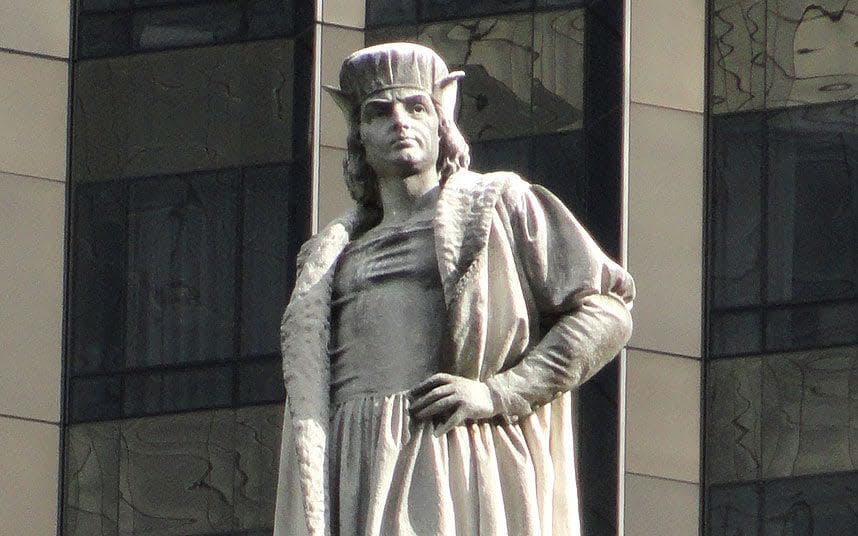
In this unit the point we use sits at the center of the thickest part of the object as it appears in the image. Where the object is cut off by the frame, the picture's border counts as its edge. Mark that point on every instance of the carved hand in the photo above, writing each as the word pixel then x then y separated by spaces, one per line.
pixel 451 400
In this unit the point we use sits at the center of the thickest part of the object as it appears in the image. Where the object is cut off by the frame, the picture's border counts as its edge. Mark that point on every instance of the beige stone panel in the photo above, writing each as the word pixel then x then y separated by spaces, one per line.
pixel 663 507
pixel 344 12
pixel 663 416
pixel 33 115
pixel 39 26
pixel 334 198
pixel 337 43
pixel 29 466
pixel 31 219
pixel 667 53
pixel 333 130
pixel 665 228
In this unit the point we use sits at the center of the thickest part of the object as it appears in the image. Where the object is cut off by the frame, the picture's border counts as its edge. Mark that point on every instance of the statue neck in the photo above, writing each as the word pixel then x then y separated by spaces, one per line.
pixel 403 198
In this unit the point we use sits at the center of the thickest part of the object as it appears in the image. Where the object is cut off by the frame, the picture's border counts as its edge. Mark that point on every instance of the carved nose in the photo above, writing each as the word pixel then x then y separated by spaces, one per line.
pixel 400 117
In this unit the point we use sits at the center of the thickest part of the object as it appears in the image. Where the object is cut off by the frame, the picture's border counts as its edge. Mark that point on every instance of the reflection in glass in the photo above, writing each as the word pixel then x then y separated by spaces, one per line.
pixel 783 270
pixel 181 270
pixel 117 27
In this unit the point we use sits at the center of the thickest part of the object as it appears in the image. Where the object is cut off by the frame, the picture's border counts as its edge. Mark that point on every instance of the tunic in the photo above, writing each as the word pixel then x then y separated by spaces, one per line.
pixel 533 309
pixel 388 473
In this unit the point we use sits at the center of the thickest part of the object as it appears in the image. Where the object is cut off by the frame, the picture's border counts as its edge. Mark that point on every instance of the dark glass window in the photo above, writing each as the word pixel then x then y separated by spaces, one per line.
pixel 189 198
pixel 782 275
pixel 542 96
pixel 118 27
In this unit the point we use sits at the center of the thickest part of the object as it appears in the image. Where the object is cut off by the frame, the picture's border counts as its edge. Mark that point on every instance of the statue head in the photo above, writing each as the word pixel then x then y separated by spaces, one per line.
pixel 398 74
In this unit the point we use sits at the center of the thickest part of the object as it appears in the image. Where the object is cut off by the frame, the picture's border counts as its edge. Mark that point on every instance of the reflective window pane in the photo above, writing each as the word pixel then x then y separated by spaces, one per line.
pixel 151 393
pixel 390 12
pixel 454 9
pixel 181 270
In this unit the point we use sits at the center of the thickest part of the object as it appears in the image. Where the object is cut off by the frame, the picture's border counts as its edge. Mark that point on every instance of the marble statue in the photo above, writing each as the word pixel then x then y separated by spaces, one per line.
pixel 435 332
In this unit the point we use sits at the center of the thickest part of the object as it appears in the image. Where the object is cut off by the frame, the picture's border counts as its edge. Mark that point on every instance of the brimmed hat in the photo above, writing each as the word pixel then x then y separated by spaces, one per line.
pixel 394 65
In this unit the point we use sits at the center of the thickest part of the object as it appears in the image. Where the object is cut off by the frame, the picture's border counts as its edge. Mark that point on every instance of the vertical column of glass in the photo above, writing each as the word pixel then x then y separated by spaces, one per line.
pixel 189 198
pixel 542 96
pixel 781 391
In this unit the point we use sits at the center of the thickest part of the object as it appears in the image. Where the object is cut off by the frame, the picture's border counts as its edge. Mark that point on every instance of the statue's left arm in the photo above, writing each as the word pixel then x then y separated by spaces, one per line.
pixel 586 294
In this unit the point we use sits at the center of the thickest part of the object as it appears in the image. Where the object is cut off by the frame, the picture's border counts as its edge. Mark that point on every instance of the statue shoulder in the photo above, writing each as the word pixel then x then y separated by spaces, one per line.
pixel 495 183
pixel 334 235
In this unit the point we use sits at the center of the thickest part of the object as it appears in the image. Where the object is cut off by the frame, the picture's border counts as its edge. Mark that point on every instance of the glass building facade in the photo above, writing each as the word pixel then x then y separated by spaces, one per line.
pixel 189 197
pixel 161 160
pixel 782 305
pixel 190 193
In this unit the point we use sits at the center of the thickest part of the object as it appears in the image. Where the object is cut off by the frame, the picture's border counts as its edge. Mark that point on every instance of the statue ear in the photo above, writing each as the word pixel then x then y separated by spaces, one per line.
pixel 342 100
pixel 447 90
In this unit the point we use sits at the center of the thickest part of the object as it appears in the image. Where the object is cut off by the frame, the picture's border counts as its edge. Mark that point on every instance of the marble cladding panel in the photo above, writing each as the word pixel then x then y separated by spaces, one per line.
pixel 733 510
pixel 780 53
pixel 40 26
pixel 183 110
pixel 557 97
pixel 496 54
pixel 31 300
pixel 34 115
pixel 657 506
pixel 212 472
pixel 344 12
pixel 183 240
pixel 29 476
pixel 334 198
pixel 733 420
pixel 809 412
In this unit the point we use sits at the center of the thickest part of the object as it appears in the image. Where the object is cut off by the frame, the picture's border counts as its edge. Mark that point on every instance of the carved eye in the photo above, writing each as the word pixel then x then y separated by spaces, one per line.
pixel 418 108
pixel 805 50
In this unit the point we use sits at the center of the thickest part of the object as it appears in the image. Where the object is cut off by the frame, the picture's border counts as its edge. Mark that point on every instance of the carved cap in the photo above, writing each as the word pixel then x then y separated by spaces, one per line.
pixel 392 65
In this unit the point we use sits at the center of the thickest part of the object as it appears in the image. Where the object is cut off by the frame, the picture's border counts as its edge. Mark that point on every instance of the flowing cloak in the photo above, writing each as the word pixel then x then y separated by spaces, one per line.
pixel 534 308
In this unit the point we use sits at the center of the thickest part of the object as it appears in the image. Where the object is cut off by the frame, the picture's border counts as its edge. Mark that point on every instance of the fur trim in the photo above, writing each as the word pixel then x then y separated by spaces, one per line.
pixel 304 335
pixel 462 220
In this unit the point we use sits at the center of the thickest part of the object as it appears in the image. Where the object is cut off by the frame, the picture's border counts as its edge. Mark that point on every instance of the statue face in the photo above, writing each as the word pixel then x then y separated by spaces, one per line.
pixel 399 130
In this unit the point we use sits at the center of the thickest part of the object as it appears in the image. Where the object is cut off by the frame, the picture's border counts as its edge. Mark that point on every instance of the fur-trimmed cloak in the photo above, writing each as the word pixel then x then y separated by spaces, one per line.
pixel 512 260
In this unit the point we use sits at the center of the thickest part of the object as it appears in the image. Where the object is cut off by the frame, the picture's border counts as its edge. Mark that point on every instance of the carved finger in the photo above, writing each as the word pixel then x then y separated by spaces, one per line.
pixel 435 394
pixel 439 407
pixel 430 383
pixel 457 418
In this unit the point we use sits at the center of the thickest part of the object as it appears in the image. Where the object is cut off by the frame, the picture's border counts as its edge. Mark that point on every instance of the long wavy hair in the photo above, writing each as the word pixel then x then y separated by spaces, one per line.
pixel 361 180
